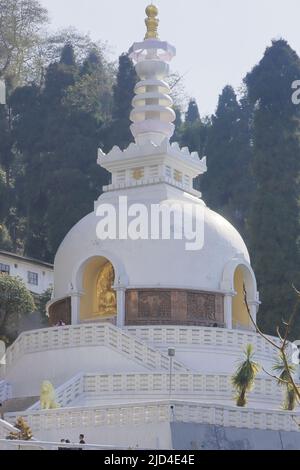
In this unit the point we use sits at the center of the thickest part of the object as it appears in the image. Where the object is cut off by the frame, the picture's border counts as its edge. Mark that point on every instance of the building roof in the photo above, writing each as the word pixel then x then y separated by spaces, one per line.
pixel 26 259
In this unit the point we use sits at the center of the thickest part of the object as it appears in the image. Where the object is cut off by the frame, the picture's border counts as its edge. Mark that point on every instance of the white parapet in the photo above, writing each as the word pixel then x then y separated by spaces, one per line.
pixel 130 423
pixel 94 389
pixel 149 163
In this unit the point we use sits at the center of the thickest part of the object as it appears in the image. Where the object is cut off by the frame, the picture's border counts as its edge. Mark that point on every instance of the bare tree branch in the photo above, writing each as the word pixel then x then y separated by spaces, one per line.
pixel 255 325
pixel 283 340
pixel 284 382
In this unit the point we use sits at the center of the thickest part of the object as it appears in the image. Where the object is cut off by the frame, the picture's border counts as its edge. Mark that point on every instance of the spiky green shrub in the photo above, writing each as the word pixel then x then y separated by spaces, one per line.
pixel 284 371
pixel 244 378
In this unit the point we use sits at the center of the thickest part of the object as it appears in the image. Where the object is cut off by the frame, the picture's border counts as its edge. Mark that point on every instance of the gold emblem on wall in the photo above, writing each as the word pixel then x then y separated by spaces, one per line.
pixel 106 296
pixel 138 173
pixel 178 176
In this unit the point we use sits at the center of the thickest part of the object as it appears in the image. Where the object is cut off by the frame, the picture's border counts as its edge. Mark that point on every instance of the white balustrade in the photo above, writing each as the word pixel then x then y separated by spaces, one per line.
pixel 217 388
pixel 134 342
pixel 201 336
pixel 156 412
pixel 89 335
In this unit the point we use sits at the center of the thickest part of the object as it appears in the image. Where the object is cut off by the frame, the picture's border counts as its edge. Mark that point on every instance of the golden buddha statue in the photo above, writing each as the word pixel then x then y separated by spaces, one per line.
pixel 106 296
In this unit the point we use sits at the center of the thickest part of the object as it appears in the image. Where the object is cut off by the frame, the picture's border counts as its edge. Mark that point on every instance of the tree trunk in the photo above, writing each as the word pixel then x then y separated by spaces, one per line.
pixel 242 401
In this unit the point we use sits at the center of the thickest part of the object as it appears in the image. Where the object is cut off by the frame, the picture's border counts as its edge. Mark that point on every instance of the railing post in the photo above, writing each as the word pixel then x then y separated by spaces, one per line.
pixel 228 310
pixel 75 308
pixel 120 289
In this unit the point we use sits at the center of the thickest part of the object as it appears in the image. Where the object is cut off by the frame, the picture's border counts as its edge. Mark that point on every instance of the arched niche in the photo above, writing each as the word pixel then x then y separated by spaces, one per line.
pixel 99 299
pixel 237 273
pixel 240 315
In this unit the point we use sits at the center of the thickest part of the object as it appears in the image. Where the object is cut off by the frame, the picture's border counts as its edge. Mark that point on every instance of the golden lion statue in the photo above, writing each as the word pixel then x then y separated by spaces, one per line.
pixel 47 397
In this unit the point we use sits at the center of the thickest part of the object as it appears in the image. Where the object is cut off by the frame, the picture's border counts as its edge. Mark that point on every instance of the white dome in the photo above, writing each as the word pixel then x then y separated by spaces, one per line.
pixel 153 263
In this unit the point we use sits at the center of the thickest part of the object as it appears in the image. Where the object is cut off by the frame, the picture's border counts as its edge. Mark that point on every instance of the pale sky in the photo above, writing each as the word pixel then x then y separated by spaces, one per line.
pixel 217 41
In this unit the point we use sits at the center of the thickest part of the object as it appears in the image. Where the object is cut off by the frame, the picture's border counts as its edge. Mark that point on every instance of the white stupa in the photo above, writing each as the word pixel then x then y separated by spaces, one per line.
pixel 127 303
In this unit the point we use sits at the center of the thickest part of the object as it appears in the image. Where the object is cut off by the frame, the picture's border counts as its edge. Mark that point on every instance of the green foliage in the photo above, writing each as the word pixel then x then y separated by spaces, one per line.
pixel 92 92
pixel 285 372
pixel 228 185
pixel 44 298
pixel 2 194
pixel 192 114
pixel 15 300
pixel 41 304
pixel 59 146
pixel 118 131
pixel 243 379
pixel 225 138
pixel 21 22
pixel 81 43
pixel 67 56
pixel 5 239
pixel 274 223
pixel 6 143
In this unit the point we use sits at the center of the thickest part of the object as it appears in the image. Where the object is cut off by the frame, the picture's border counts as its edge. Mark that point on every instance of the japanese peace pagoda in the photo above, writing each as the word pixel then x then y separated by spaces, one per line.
pixel 153 332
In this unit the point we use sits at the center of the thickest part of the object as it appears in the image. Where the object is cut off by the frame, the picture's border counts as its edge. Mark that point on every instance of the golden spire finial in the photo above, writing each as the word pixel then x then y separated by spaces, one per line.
pixel 152 22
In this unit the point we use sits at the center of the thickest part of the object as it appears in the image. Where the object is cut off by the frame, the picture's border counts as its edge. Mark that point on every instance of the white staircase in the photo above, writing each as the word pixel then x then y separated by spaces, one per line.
pixel 5 429
pixel 89 335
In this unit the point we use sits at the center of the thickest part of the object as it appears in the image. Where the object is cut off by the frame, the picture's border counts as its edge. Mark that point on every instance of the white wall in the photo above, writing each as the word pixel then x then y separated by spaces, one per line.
pixel 58 366
pixel 19 267
pixel 142 436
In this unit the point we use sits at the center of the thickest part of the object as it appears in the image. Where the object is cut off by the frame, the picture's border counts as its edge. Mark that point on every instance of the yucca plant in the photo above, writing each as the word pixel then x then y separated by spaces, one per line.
pixel 244 378
pixel 291 399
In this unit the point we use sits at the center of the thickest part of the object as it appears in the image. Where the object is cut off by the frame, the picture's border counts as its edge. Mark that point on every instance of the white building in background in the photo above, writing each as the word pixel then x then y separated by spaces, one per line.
pixel 129 305
pixel 36 275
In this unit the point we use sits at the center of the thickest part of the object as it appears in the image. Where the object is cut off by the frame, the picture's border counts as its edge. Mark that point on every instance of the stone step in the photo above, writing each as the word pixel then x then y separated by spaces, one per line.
pixel 18 404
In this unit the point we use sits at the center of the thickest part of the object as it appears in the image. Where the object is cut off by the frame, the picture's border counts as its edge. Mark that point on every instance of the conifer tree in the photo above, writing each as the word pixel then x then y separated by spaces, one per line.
pixel 59 148
pixel 68 56
pixel 178 125
pixel 92 91
pixel 274 221
pixel 6 142
pixel 227 186
pixel 123 93
pixel 192 114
